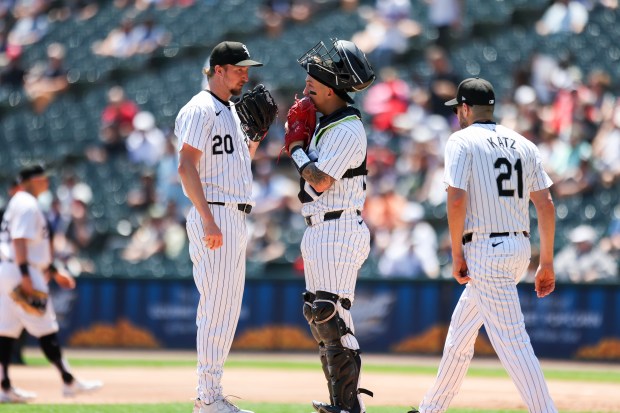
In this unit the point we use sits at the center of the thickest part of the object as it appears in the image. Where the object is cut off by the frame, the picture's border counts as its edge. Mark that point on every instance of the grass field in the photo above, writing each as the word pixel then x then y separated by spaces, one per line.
pixel 420 370
pixel 564 374
pixel 186 408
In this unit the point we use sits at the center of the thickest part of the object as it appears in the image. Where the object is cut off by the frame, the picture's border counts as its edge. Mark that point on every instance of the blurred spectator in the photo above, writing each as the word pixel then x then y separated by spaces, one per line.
pixel 267 243
pixel 146 144
pixel 144 195
pixel 169 189
pixel 601 100
pixel 411 249
pixel 552 152
pixel 13 74
pixel 382 211
pixel 386 99
pixel 120 42
pixel 72 188
pixel 77 9
pixel 158 234
pixel 275 13
pixel 445 16
pixel 610 4
pixel 130 38
pixel 421 164
pixel 584 261
pixel 162 4
pixel 611 243
pixel 43 83
pixel 442 83
pixel 271 224
pixel 149 36
pixel 81 229
pixel 522 113
pixel 75 237
pixel 116 123
pixel 31 22
pixel 388 30
pixel 606 148
pixel 578 176
pixel 563 16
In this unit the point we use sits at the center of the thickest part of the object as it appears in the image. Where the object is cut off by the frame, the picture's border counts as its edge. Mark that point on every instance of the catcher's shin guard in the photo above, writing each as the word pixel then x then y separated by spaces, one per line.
pixel 343 364
pixel 325 367
pixel 307 310
pixel 344 367
pixel 343 374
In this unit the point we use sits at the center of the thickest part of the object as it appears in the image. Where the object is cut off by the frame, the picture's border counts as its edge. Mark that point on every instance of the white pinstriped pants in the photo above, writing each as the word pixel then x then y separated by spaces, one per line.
pixel 491 298
pixel 219 276
pixel 333 253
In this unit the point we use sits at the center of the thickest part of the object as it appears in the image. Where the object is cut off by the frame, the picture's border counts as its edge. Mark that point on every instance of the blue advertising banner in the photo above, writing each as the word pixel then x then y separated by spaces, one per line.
pixel 576 321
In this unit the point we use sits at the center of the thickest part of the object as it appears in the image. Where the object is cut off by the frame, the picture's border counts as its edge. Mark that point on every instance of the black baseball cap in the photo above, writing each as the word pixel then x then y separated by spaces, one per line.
pixel 474 91
pixel 231 53
pixel 30 172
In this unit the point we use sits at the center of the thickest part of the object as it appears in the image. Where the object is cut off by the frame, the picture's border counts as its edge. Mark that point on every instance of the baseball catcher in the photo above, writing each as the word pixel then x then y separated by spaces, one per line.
pixel 34 303
pixel 331 160
pixel 256 110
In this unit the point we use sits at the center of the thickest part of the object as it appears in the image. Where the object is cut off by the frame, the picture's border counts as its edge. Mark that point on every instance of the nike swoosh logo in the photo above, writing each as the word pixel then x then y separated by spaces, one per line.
pixel 218 113
pixel 496 244
pixel 361 222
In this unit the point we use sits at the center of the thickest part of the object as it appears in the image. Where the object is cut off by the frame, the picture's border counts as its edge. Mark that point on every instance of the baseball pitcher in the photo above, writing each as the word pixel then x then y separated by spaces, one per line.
pixel 491 174
pixel 216 149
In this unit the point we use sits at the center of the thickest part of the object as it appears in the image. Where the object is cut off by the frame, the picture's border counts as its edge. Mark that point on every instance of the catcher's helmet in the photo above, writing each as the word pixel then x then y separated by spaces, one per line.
pixel 344 67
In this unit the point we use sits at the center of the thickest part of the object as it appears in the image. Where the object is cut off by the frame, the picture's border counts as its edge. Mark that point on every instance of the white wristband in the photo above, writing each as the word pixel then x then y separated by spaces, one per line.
pixel 300 158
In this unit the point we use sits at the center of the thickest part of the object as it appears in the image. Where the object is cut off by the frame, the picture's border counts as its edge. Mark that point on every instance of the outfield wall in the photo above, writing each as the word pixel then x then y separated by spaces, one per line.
pixel 576 321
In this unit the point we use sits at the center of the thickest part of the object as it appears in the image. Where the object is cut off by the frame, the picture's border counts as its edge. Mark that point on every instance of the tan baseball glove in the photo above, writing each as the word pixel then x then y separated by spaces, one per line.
pixel 31 303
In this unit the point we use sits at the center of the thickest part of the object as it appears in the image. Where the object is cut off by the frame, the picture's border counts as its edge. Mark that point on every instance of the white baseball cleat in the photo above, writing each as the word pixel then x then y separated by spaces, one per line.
pixel 80 386
pixel 14 395
pixel 218 406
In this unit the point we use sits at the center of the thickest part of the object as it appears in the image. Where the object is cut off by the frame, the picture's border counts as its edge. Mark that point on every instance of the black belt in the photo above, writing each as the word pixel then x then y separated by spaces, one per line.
pixel 468 237
pixel 329 216
pixel 247 208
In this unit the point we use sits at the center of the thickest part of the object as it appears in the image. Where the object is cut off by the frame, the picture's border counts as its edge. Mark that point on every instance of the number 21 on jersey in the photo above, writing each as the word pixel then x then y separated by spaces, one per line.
pixel 505 174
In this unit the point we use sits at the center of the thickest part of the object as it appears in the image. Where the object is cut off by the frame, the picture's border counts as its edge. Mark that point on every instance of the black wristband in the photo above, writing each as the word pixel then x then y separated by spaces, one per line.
pixel 52 268
pixel 23 268
pixel 300 158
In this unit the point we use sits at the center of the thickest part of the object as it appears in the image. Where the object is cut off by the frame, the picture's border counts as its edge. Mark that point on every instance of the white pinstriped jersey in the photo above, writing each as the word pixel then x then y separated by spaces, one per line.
pixel 498 168
pixel 212 126
pixel 23 219
pixel 339 142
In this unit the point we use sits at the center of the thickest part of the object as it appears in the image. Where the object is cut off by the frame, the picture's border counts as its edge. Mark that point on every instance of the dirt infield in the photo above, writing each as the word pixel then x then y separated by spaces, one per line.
pixel 176 384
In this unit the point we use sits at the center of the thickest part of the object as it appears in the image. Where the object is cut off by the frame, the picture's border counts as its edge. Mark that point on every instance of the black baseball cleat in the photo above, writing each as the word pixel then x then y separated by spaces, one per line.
pixel 321 407
pixel 413 410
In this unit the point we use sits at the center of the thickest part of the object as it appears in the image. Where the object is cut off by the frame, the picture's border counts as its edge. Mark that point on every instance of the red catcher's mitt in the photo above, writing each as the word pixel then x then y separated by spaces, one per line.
pixel 301 120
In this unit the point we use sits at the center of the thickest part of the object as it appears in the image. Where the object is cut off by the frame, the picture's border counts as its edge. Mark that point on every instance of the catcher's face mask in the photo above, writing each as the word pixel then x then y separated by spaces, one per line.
pixel 343 67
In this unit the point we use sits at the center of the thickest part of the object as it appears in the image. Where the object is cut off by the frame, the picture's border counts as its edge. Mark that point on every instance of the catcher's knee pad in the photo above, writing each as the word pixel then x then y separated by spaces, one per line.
pixel 307 311
pixel 329 325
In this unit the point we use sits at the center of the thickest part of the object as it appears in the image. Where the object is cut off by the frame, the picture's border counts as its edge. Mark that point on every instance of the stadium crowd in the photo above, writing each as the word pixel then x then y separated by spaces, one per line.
pixel 571 113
